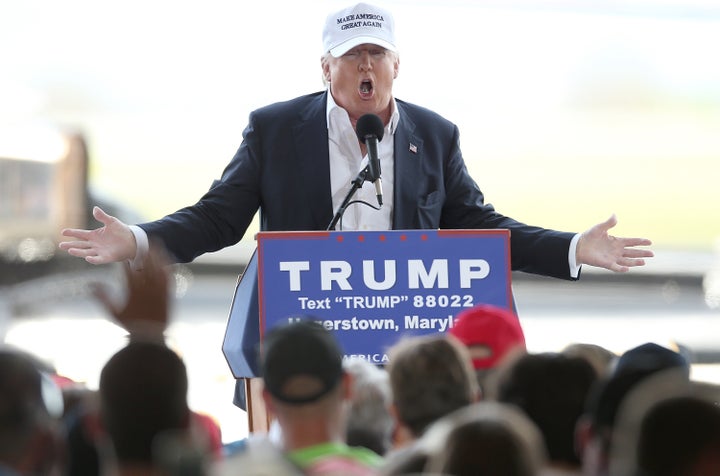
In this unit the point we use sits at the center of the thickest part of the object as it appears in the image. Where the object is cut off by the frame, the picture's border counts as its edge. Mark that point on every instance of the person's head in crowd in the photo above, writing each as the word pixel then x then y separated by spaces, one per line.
pixel 29 438
pixel 595 429
pixel 360 60
pixel 680 436
pixel 370 422
pixel 648 358
pixel 307 390
pixel 305 384
pixel 491 334
pixel 430 377
pixel 408 460
pixel 82 435
pixel 484 438
pixel 601 358
pixel 143 407
pixel 551 389
pixel 638 450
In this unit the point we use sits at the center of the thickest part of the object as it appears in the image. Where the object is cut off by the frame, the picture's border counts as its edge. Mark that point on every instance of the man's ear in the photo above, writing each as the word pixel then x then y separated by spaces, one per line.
pixel 325 69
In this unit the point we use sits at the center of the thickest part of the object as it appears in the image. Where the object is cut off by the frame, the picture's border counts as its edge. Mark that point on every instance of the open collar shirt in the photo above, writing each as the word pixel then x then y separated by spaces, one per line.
pixel 346 162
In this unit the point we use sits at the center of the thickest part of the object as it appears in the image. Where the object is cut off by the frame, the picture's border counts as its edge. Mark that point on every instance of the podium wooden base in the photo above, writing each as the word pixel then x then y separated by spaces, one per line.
pixel 258 418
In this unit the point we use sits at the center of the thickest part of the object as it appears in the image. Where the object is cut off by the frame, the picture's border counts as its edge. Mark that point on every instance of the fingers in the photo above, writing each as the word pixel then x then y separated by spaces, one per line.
pixel 90 255
pixel 637 253
pixel 626 263
pixel 101 216
pixel 596 247
pixel 81 234
pixel 609 223
pixel 618 268
pixel 601 229
pixel 623 265
pixel 68 245
pixel 630 263
pixel 76 233
pixel 84 249
pixel 626 242
pixel 98 259
pixel 632 256
pixel 81 252
pixel 81 249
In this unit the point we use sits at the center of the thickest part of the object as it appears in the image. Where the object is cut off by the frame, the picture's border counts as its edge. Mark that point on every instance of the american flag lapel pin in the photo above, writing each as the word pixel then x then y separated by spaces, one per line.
pixel 413 148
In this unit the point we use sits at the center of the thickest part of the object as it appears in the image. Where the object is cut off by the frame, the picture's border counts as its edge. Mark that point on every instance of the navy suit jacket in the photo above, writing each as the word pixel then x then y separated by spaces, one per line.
pixel 282 168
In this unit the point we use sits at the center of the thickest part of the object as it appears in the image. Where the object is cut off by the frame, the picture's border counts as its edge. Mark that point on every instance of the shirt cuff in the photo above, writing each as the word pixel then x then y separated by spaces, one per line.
pixel 142 248
pixel 572 257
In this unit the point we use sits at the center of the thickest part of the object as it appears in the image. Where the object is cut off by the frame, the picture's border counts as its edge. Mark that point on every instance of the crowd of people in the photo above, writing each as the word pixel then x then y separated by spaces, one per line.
pixel 472 401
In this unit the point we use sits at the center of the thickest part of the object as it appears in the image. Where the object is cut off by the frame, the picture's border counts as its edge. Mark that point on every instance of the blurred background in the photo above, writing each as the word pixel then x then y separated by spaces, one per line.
pixel 569 111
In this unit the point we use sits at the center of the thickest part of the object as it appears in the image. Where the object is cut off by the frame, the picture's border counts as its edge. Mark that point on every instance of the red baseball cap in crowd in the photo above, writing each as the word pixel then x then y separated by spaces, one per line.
pixel 490 329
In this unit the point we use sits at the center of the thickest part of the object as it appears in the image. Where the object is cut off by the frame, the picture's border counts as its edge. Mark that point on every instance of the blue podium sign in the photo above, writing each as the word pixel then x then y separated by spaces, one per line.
pixel 371 288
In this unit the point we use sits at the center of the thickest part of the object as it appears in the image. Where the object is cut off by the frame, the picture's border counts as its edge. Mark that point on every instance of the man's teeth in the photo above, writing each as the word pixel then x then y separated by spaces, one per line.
pixel 365 87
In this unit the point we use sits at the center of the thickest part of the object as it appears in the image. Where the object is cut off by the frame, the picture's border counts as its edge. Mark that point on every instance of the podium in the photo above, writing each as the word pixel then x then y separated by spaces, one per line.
pixel 370 288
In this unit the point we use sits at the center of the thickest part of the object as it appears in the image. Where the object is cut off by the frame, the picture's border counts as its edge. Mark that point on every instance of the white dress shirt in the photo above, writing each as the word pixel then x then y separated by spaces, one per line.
pixel 346 161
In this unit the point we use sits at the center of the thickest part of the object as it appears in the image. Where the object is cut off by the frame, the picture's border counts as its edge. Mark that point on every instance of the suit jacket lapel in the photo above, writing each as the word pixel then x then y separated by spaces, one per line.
pixel 311 143
pixel 408 154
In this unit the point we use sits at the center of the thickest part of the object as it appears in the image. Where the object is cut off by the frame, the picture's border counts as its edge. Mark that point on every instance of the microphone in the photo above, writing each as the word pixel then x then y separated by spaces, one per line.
pixel 370 130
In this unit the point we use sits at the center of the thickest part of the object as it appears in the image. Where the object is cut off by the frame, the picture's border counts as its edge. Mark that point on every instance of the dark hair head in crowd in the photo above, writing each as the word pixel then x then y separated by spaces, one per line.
pixel 680 435
pixel 143 395
pixel 30 405
pixel 21 401
pixel 631 368
pixel 551 388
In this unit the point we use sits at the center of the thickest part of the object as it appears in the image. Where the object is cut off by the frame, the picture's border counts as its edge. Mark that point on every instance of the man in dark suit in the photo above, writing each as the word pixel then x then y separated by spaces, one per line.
pixel 298 158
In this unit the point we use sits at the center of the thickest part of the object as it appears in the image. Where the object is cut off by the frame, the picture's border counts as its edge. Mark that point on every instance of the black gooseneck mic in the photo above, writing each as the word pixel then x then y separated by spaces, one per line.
pixel 370 130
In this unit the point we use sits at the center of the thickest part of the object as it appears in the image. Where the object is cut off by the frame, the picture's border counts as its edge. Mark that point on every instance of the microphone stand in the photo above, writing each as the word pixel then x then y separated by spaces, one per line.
pixel 356 184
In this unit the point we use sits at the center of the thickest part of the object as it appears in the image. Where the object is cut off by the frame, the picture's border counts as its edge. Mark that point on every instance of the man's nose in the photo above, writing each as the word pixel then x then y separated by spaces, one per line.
pixel 365 61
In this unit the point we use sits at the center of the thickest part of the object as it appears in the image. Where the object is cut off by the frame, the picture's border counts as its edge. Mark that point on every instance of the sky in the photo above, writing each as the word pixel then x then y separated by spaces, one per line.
pixel 568 110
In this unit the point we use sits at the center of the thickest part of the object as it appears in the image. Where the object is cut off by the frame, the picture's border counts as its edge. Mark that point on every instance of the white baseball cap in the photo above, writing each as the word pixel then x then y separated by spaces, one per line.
pixel 356 25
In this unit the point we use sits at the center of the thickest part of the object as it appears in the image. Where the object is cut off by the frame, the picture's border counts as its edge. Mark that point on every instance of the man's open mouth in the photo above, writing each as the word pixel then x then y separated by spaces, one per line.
pixel 366 87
